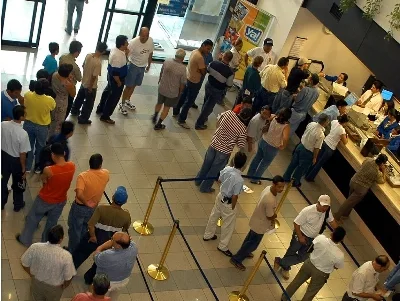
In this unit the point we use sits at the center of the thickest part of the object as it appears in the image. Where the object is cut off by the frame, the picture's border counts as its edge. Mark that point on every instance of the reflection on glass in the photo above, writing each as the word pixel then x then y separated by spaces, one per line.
pixel 130 5
pixel 121 25
pixel 17 21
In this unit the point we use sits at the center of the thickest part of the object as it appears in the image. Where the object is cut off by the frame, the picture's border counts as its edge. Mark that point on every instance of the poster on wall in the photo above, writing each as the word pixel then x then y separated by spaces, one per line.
pixel 173 8
pixel 249 23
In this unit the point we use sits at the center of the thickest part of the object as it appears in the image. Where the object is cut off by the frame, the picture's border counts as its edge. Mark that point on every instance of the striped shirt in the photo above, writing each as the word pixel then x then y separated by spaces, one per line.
pixel 230 132
pixel 221 75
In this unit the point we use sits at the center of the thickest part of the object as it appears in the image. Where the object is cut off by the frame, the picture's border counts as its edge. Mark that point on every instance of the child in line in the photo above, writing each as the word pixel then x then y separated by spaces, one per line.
pixel 231 182
pixel 50 62
pixel 246 103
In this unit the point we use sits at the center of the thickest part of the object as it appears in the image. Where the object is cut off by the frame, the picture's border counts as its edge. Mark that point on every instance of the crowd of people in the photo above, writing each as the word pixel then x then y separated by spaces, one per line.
pixel 270 106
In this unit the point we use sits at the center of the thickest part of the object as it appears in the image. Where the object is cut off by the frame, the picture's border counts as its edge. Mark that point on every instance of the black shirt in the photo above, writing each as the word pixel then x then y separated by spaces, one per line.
pixel 296 76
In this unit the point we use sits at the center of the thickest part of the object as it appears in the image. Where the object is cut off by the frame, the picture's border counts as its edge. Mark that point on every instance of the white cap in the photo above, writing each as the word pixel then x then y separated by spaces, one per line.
pixel 324 200
pixel 303 61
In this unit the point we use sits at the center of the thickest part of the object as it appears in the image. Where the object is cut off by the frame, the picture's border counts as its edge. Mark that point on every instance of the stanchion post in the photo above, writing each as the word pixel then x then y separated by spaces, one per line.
pixel 144 227
pixel 159 271
pixel 219 222
pixel 241 296
pixel 283 198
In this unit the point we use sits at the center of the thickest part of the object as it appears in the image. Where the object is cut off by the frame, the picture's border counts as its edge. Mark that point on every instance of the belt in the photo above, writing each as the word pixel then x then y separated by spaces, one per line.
pixel 227 200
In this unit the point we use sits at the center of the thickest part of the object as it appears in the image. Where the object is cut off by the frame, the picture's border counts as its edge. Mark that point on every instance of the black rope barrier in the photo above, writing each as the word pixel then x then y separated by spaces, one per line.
pixel 166 201
pixel 144 279
pixel 210 178
pixel 108 199
pixel 330 228
pixel 276 278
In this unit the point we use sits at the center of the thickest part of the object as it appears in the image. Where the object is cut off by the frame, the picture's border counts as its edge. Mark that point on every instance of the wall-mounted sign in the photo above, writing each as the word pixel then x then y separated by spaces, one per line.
pixel 174 8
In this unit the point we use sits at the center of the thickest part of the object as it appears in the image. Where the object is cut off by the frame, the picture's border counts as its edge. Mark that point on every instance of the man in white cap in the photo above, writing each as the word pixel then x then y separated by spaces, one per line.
pixel 297 75
pixel 310 222
pixel 265 52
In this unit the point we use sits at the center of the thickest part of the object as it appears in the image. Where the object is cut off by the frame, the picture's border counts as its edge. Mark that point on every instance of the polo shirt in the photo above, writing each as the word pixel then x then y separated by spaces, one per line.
pixel 92 183
pixel 265 208
pixel 272 78
pixel 269 58
pixel 363 280
pixel 313 136
pixel 76 71
pixel 173 75
pixel 14 139
pixel 91 68
pixel 368 174
pixel 310 220
pixel 332 111
pixel 326 255
pixel 38 108
pixel 220 75
pixel 231 181
pixel 7 105
pixel 305 99
pixel 251 80
pixel 117 63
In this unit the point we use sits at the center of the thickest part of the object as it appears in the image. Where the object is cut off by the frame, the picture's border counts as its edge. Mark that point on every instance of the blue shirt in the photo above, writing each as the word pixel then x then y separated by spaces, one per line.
pixel 305 99
pixel 385 131
pixel 60 138
pixel 334 79
pixel 332 112
pixel 50 64
pixel 231 181
pixel 394 144
pixel 117 264
pixel 7 106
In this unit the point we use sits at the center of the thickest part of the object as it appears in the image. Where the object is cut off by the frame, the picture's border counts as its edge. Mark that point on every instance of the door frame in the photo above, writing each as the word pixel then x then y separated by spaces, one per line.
pixel 29 43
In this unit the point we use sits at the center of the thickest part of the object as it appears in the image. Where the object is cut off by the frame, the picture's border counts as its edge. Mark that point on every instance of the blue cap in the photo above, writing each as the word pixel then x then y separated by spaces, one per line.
pixel 120 195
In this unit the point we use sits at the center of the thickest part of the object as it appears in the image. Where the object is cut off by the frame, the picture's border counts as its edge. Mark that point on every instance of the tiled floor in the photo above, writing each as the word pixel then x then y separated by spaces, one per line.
pixel 136 155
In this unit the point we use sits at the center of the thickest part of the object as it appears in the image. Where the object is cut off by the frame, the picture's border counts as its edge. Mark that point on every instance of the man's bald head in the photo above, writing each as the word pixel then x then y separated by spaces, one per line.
pixel 122 239
pixel 144 34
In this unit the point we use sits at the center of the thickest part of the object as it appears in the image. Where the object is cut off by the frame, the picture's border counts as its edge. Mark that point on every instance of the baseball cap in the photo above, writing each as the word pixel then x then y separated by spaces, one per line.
pixel 303 60
pixel 324 200
pixel 268 41
pixel 120 195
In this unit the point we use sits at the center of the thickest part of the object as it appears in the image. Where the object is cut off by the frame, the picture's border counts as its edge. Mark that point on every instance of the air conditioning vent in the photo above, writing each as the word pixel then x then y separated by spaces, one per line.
pixel 336 12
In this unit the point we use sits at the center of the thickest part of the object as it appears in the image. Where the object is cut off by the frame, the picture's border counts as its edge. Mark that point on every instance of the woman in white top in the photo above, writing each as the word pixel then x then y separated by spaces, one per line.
pixel 372 99
pixel 331 141
pixel 275 138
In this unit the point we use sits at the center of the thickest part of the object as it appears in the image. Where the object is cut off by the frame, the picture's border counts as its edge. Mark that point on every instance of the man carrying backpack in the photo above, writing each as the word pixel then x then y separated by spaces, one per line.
pixel 310 222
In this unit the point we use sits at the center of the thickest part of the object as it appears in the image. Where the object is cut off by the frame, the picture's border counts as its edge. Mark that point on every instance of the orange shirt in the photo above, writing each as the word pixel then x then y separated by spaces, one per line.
pixel 237 108
pixel 92 182
pixel 56 188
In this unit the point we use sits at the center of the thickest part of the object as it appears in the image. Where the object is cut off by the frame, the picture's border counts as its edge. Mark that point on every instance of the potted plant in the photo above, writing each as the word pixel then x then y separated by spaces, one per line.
pixel 345 5
pixel 394 21
pixel 371 9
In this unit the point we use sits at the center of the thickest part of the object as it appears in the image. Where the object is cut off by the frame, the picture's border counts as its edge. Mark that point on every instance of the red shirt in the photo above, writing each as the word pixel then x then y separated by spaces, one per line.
pixel 237 108
pixel 89 297
pixel 56 188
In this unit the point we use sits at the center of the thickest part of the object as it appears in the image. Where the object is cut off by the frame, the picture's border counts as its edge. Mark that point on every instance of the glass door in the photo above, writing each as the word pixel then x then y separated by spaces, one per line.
pixel 21 22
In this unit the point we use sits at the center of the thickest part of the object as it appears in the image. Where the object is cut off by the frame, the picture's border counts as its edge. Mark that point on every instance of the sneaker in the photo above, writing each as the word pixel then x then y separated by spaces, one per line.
pixel 201 127
pixel 212 238
pixel 83 121
pixel 67 32
pixel 122 109
pixel 226 253
pixel 38 171
pixel 285 274
pixel 184 125
pixel 129 105
pixel 73 113
pixel 18 209
pixel 154 118
pixel 109 120
pixel 76 31
pixel 158 127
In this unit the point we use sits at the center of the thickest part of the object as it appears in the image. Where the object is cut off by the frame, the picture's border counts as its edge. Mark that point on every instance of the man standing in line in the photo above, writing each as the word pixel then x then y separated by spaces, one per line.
pixel 140 57
pixel 116 73
pixel 49 266
pixel 363 282
pixel 14 147
pixel 195 70
pixel 170 86
pixel 10 98
pixel 72 5
pixel 87 92
pixel 231 131
pixel 220 77
pixel 372 171
pixel 261 221
pixel 306 153
pixel 310 222
pixel 52 197
pixel 116 258
pixel 90 186
pixel 265 52
pixel 333 111
pixel 99 289
pixel 75 49
pixel 325 258
pixel 298 74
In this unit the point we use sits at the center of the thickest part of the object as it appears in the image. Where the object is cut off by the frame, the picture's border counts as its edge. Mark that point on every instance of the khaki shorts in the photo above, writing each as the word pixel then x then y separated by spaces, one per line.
pixel 167 101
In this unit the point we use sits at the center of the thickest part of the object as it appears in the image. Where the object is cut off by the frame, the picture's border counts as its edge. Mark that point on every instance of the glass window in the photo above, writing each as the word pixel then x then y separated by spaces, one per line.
pixel 17 21
pixel 122 24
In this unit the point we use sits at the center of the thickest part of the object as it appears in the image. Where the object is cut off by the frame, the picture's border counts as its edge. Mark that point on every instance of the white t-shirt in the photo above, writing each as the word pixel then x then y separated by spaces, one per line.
pixel 139 52
pixel 254 129
pixel 337 130
pixel 326 255
pixel 14 139
pixel 266 207
pixel 269 58
pixel 310 220
pixel 363 280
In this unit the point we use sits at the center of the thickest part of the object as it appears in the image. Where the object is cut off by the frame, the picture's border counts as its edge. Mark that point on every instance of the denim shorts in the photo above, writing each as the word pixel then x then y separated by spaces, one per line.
pixel 135 75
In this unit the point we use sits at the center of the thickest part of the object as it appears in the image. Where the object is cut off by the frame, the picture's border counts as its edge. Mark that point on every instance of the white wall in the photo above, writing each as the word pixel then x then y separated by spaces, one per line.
pixel 285 12
pixel 336 56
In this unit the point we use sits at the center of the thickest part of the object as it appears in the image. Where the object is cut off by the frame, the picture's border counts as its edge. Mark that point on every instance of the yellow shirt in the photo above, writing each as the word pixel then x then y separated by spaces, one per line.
pixel 38 108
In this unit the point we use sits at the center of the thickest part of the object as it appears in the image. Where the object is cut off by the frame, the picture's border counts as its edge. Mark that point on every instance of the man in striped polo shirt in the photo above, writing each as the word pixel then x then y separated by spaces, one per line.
pixel 231 131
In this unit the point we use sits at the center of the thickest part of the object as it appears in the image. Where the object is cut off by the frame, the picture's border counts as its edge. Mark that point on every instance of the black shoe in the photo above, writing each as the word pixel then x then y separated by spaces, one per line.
pixel 73 113
pixel 201 127
pixel 67 32
pixel 82 121
pixel 226 253
pixel 99 112
pixel 18 209
pixel 17 236
pixel 154 118
pixel 212 238
pixel 76 31
pixel 158 127
pixel 194 106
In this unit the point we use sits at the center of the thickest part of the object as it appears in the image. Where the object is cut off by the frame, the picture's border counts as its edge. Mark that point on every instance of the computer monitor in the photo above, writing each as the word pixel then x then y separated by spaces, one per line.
pixel 386 95
pixel 351 99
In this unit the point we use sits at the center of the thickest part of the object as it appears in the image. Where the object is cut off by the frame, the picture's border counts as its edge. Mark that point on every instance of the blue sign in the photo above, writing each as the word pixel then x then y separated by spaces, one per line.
pixel 174 8
pixel 253 34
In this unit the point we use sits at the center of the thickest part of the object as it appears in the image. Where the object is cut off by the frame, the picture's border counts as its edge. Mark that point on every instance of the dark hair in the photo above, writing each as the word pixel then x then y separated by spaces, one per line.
pixel 341 103
pixel 397 129
pixel 323 118
pixel 207 42
pixel 345 76
pixel 315 78
pixel 283 61
pixel 120 41
pixel 95 161
pixel 247 99
pixel 284 115
pixel 101 47
pixel 396 297
pixel 57 149
pixel 14 85
pixel 42 73
pixel 338 234
pixel 67 127
pixel 228 55
pixel 343 118
pixel 101 284
pixel 277 179
pixel 378 84
pixel 266 107
pixel 41 86
pixel 18 112
pixel 239 160
pixel 54 47
pixel 392 111
pixel 75 46
pixel 381 159
pixel 382 260
pixel 64 70
pixel 56 234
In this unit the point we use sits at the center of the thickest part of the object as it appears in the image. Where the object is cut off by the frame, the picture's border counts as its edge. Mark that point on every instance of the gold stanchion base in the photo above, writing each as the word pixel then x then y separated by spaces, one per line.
pixel 277 224
pixel 235 296
pixel 219 222
pixel 158 273
pixel 147 229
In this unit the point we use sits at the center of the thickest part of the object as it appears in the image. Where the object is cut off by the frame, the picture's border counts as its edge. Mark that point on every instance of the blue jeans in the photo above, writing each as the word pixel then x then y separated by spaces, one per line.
pixel 394 278
pixel 37 137
pixel 187 100
pixel 301 162
pixel 295 120
pixel 211 98
pixel 296 253
pixel 78 218
pixel 110 97
pixel 263 158
pixel 324 154
pixel 250 244
pixel 35 215
pixel 262 98
pixel 214 162
pixel 72 5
